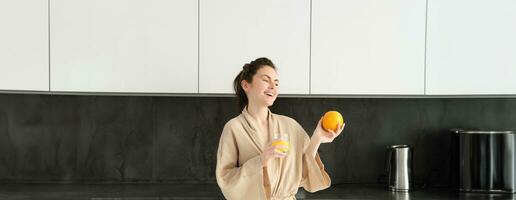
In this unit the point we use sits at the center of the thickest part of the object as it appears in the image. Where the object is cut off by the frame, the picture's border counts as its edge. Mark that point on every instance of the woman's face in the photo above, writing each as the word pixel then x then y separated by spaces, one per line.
pixel 263 90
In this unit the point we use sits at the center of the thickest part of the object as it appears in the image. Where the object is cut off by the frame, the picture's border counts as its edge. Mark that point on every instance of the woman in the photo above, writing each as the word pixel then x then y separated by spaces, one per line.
pixel 248 165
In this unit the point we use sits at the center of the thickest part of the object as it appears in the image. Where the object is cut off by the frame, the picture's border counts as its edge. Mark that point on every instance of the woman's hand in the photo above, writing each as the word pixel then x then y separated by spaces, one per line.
pixel 326 136
pixel 321 136
pixel 271 152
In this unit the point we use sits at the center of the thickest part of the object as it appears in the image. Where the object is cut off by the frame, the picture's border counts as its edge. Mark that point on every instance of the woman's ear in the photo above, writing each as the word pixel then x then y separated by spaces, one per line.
pixel 245 85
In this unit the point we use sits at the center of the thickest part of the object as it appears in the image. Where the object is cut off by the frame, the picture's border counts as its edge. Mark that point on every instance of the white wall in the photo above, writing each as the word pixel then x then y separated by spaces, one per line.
pixel 124 46
pixel 368 47
pixel 471 47
pixel 235 32
pixel 24 45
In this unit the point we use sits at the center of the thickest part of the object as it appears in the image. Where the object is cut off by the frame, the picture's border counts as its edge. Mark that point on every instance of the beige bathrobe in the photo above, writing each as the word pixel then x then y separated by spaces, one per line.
pixel 239 171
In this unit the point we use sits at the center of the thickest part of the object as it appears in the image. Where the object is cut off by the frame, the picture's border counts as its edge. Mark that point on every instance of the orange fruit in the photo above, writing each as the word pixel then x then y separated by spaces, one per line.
pixel 332 120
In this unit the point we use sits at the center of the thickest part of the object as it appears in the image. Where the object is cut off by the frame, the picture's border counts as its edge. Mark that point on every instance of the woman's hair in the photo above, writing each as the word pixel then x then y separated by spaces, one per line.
pixel 247 73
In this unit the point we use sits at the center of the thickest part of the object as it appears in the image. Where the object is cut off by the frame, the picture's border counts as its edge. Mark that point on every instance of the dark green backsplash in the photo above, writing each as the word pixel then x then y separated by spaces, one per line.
pixel 154 139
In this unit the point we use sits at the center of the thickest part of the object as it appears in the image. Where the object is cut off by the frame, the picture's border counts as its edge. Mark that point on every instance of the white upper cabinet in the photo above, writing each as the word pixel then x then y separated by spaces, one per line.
pixel 368 47
pixel 24 45
pixel 124 46
pixel 471 47
pixel 235 32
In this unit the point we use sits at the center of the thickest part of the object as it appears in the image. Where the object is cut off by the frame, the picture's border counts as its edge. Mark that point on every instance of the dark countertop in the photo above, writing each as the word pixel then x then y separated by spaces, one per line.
pixel 211 191
pixel 358 191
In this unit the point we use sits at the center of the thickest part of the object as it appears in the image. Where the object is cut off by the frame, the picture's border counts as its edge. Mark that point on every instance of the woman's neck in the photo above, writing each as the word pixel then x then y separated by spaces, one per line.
pixel 260 113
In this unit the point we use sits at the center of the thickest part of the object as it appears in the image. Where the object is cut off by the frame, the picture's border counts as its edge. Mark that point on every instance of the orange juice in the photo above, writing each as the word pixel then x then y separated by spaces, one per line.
pixel 281 140
pixel 281 143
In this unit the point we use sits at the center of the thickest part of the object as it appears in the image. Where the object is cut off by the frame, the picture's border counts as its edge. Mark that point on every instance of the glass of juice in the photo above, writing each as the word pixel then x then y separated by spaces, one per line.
pixel 281 140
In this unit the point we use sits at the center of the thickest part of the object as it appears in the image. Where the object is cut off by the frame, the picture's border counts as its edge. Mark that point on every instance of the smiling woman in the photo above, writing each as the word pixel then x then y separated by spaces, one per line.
pixel 266 75
pixel 251 161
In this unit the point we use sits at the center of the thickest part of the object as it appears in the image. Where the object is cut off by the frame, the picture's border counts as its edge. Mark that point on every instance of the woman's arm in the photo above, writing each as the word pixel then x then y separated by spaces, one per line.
pixel 238 182
pixel 321 136
pixel 313 146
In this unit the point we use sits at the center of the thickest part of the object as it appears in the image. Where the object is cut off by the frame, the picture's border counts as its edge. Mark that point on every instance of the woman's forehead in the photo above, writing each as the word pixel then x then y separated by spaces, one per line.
pixel 268 72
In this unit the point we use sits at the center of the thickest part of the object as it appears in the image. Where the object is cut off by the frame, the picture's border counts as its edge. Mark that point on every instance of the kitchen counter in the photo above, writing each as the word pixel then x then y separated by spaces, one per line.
pixel 357 191
pixel 211 191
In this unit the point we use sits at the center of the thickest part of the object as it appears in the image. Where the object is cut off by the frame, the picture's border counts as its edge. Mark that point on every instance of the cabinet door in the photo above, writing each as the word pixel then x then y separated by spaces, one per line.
pixel 368 47
pixel 24 45
pixel 471 47
pixel 235 32
pixel 124 46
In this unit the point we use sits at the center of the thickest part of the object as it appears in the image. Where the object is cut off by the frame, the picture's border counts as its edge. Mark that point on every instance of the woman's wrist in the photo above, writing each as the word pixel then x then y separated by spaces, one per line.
pixel 315 142
pixel 316 137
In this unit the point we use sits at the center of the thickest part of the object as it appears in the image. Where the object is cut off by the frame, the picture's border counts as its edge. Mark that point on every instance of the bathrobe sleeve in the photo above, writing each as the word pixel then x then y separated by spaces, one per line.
pixel 238 182
pixel 314 177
